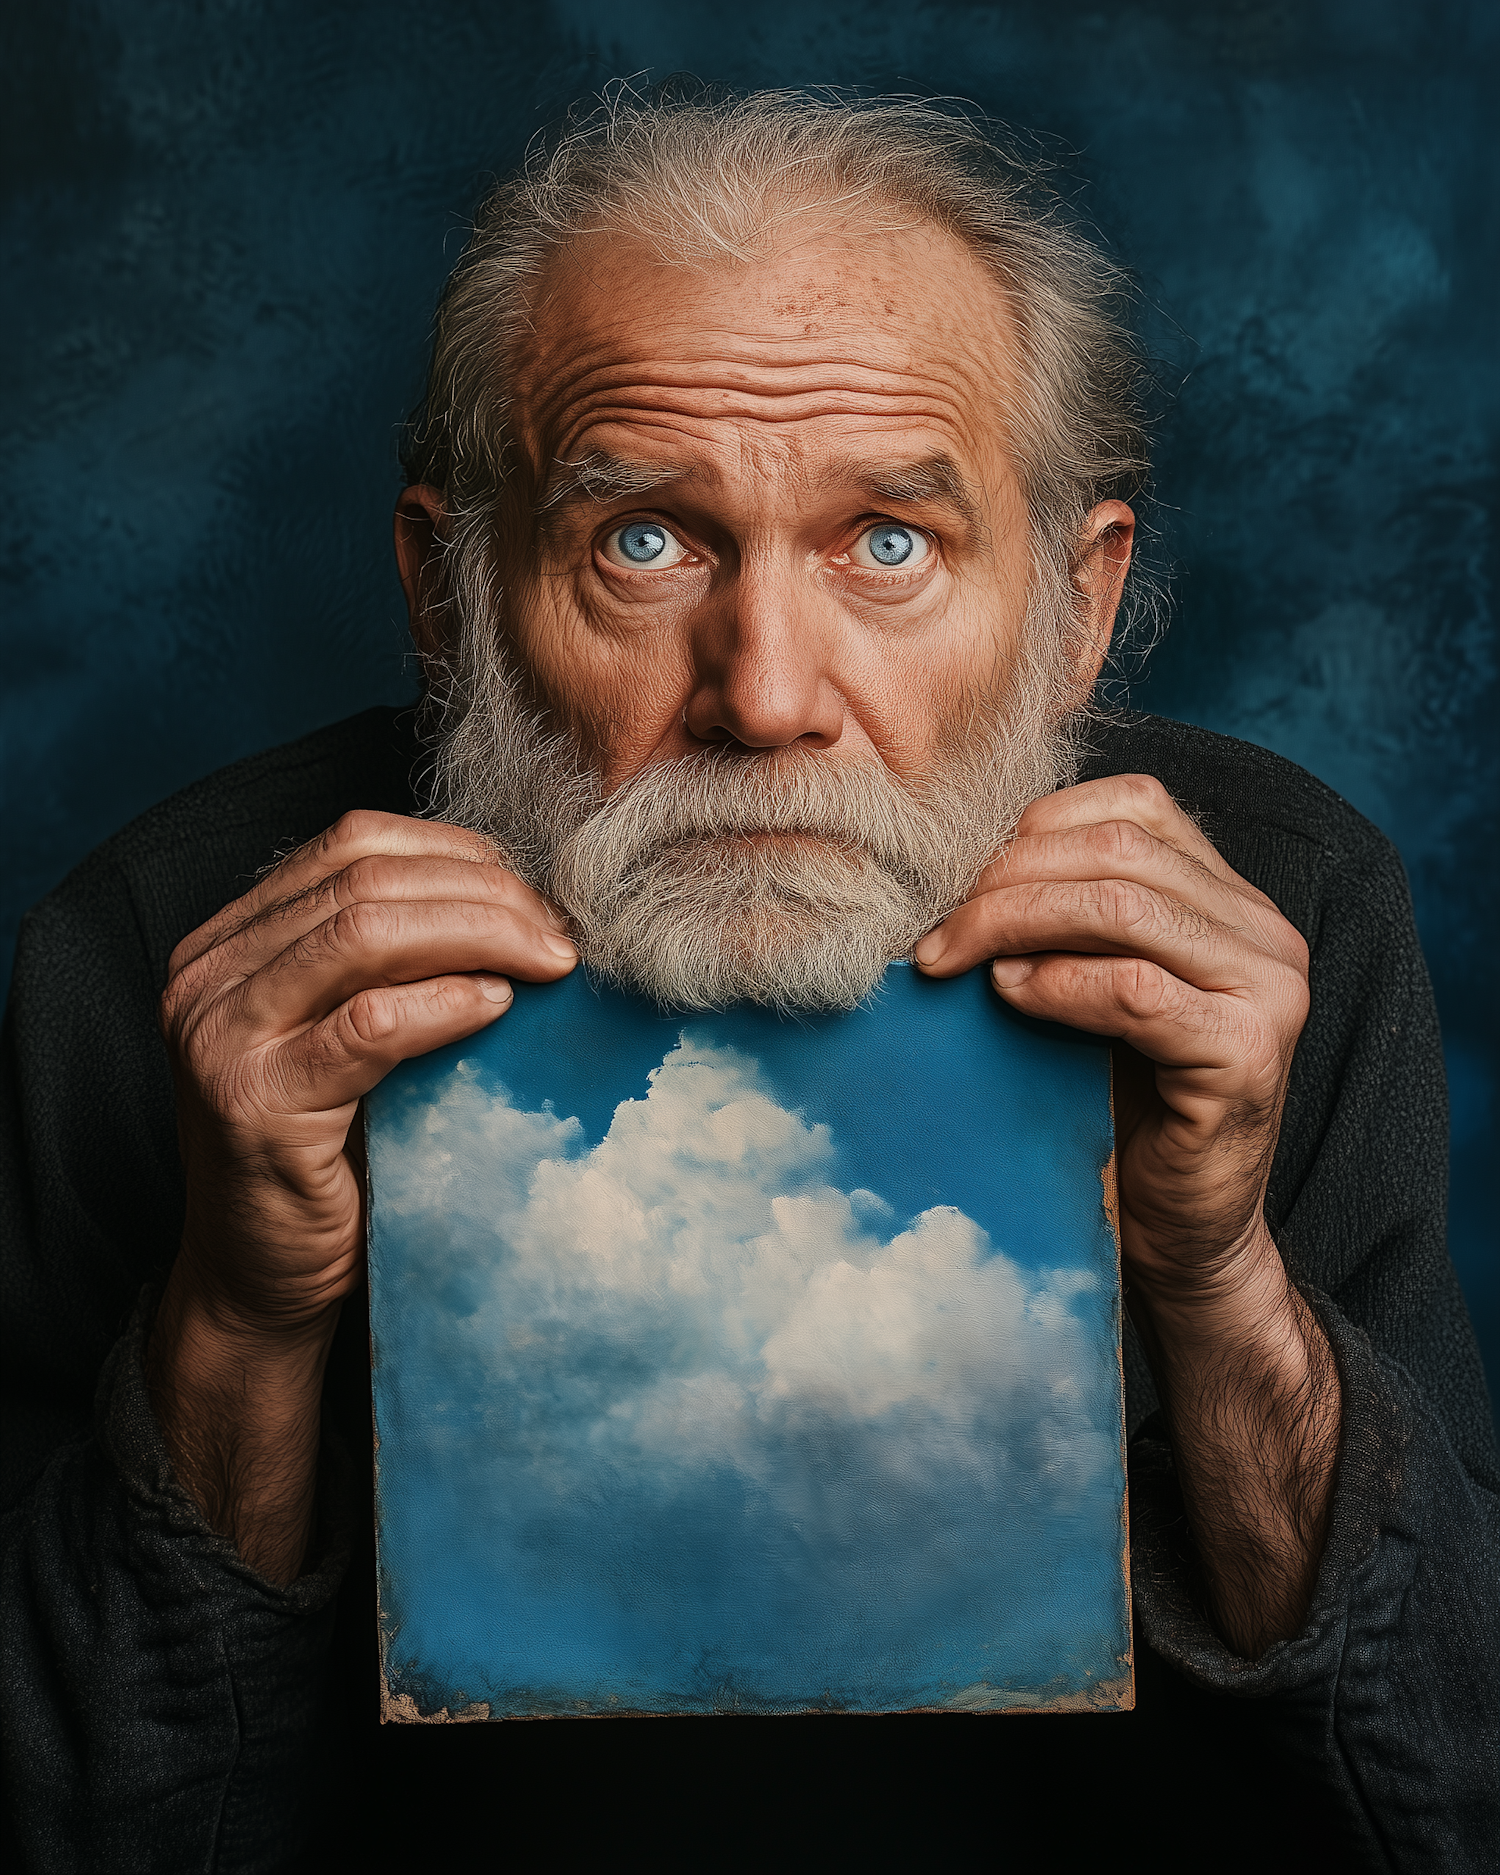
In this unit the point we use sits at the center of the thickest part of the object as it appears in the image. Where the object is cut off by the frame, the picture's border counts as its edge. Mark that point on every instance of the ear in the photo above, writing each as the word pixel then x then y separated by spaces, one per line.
pixel 1099 579
pixel 419 516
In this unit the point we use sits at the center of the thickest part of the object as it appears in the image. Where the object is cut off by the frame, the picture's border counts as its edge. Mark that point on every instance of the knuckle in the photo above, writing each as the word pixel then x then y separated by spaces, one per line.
pixel 1124 904
pixel 1145 794
pixel 357 831
pixel 1143 990
pixel 1121 843
pixel 447 996
pixel 356 827
pixel 358 927
pixel 372 876
pixel 371 1017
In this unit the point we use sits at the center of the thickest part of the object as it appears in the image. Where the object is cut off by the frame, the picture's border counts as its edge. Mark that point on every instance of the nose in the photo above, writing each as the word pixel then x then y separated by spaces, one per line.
pixel 761 662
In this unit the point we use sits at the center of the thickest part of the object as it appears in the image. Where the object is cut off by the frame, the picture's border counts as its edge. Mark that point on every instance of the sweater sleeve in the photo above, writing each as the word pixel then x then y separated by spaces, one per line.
pixel 160 1703
pixel 1389 1694
pixel 163 1703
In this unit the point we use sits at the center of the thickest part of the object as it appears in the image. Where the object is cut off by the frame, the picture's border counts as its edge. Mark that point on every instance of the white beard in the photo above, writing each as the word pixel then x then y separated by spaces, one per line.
pixel 786 877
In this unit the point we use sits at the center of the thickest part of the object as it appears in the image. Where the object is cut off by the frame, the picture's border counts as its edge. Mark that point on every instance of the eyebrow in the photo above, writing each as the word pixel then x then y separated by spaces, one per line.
pixel 934 478
pixel 600 476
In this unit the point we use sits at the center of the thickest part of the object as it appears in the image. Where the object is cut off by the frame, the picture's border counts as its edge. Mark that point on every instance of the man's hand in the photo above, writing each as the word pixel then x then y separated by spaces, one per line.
pixel 383 939
pixel 1111 912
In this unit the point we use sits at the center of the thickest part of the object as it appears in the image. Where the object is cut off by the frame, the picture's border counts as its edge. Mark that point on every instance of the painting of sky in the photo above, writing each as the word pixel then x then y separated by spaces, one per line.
pixel 735 1363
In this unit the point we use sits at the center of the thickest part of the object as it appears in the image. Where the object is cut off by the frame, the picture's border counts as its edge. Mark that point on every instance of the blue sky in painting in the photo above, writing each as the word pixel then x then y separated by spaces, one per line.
pixel 738 1362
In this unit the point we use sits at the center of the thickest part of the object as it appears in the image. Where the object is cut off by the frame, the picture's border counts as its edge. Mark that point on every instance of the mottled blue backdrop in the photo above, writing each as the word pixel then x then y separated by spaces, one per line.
pixel 225 224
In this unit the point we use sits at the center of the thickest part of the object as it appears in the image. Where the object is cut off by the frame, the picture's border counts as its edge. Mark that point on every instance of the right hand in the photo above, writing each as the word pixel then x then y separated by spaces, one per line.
pixel 384 938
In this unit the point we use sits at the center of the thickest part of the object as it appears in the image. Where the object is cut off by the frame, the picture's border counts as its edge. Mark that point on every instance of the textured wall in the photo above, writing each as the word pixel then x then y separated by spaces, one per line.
pixel 225 225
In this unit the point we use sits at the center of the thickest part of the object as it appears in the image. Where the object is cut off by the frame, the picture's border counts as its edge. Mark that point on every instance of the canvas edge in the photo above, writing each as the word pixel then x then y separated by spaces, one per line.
pixel 1109 1178
pixel 392 1707
pixel 1117 1695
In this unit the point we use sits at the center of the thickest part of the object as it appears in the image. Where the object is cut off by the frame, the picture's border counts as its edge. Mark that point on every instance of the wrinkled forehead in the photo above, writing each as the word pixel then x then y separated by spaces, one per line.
pixel 845 337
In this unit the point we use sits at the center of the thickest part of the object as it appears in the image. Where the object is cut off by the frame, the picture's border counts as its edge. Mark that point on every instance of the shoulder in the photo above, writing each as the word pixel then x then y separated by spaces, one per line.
pixel 1277 825
pixel 366 760
pixel 182 860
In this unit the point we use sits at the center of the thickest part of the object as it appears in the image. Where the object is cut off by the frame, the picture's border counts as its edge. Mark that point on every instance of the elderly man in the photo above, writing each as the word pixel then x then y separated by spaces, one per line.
pixel 766 528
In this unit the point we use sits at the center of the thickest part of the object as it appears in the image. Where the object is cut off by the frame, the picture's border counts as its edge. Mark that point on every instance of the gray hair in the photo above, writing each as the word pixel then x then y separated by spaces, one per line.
pixel 708 179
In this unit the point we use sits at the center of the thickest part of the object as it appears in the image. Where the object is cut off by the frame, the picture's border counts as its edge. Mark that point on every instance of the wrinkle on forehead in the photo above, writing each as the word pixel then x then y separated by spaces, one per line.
pixel 906 329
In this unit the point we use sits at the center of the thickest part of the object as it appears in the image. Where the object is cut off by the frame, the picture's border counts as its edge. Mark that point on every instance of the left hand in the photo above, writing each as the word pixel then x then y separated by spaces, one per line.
pixel 1111 912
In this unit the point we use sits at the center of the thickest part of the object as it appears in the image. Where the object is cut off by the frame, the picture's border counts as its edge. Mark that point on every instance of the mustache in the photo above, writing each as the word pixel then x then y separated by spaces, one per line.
pixel 720 793
pixel 669 890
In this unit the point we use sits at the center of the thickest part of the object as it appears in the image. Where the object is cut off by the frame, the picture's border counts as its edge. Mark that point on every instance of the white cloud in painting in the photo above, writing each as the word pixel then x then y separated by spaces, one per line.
pixel 693 1292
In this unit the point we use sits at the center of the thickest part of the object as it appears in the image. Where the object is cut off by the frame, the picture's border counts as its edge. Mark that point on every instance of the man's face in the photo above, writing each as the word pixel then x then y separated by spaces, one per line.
pixel 835 554
pixel 768 577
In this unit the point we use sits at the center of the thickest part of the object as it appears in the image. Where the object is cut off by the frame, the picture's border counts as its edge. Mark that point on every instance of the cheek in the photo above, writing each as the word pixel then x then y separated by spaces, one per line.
pixel 614 683
pixel 908 694
pixel 968 654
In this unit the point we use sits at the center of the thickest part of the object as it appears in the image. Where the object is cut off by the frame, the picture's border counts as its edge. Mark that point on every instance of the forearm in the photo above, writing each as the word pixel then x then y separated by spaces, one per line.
pixel 240 1413
pixel 1251 1394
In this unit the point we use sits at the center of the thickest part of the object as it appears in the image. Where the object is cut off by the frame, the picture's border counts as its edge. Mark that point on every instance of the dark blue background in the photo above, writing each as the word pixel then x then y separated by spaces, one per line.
pixel 225 226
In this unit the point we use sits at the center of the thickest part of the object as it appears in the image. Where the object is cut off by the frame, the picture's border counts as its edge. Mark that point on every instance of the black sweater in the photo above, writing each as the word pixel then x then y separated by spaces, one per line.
pixel 166 1709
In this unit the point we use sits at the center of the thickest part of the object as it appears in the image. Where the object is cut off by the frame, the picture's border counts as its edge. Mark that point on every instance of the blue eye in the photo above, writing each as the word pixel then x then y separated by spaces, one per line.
pixel 891 546
pixel 888 544
pixel 644 543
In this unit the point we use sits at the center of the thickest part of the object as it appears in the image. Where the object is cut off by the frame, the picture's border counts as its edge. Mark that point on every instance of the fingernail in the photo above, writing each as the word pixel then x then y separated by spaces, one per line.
pixel 1009 971
pixel 560 947
pixel 495 989
pixel 930 949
